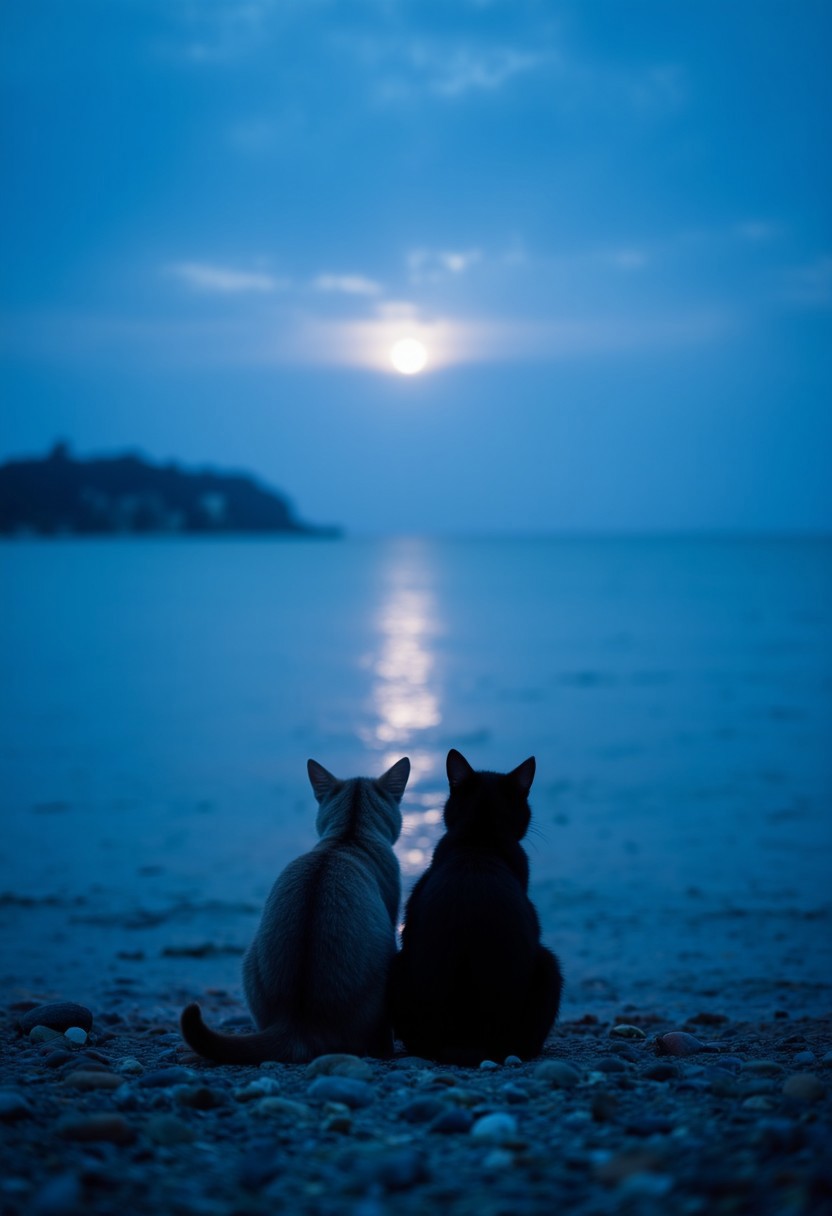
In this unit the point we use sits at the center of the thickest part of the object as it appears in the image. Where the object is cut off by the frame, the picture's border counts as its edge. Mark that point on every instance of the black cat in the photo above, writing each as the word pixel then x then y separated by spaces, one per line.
pixel 472 981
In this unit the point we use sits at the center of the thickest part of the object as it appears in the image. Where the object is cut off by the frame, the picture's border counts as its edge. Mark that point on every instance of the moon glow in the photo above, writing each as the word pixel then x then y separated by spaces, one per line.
pixel 408 356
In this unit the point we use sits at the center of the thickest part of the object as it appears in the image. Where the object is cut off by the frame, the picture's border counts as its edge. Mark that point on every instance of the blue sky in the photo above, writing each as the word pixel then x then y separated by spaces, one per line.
pixel 608 224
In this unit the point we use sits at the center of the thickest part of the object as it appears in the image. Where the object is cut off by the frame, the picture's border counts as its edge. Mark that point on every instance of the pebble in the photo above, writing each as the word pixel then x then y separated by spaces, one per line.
pixel 44 1034
pixel 60 1196
pixel 59 1016
pixel 341 1089
pixel 498 1159
pixel 678 1043
pixel 281 1108
pixel 662 1070
pixel 422 1110
pixel 488 1065
pixel 13 1106
pixel 161 1078
pixel 514 1094
pixel 805 1059
pixel 762 1068
pixel 129 1066
pixel 804 1087
pixel 260 1087
pixel 512 1061
pixel 453 1121
pixel 398 1170
pixel 498 1126
pixel 107 1127
pixel 339 1064
pixel 610 1064
pixel 93 1079
pixel 558 1074
pixel 168 1130
pixel 199 1097
pixel 625 1031
pixel 76 1034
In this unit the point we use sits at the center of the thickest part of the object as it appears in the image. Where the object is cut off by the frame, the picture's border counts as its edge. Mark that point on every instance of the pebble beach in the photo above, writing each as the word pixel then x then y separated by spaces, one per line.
pixel 106 1110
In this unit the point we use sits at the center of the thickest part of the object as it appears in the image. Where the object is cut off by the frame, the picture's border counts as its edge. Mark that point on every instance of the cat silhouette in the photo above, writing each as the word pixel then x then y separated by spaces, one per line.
pixel 472 980
pixel 316 974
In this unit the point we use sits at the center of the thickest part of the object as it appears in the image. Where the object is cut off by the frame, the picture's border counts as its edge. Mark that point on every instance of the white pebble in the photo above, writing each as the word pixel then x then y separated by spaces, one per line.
pixel 75 1034
pixel 495 1127
pixel 488 1066
pixel 512 1061
pixel 130 1066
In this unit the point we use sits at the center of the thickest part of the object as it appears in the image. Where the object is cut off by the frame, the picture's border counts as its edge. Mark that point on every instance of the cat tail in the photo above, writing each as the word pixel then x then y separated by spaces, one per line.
pixel 256 1048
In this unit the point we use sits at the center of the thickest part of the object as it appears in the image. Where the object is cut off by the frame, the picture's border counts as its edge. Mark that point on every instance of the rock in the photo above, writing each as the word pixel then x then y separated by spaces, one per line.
pixel 129 1066
pixel 649 1125
pixel 108 1127
pixel 58 1016
pixel 625 1031
pixel 662 1070
pixel 76 1034
pixel 339 1064
pixel 57 1058
pixel 558 1074
pixel 805 1059
pixel 339 1121
pixel 804 1087
pixel 199 1097
pixel 260 1087
pixel 168 1130
pixel 512 1061
pixel 488 1065
pixel 283 1109
pixel 604 1106
pixel 761 1068
pixel 341 1089
pixel 398 1170
pixel 60 1196
pixel 453 1121
pixel 84 1079
pixel 620 1166
pixel 498 1159
pixel 610 1064
pixel 259 1166
pixel 161 1078
pixel 44 1034
pixel 758 1102
pixel 422 1110
pixel 13 1106
pixel 678 1043
pixel 514 1094
pixel 497 1127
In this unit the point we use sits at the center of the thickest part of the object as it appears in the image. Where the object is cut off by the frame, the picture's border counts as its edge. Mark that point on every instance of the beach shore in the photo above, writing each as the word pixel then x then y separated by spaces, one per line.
pixel 627 1112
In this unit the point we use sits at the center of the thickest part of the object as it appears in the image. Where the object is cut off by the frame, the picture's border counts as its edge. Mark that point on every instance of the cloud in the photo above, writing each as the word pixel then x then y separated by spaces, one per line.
pixel 347 284
pixel 465 70
pixel 810 286
pixel 223 280
pixel 432 265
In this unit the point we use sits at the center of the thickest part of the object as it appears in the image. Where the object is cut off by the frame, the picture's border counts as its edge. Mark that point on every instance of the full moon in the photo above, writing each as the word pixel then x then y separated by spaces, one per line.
pixel 408 356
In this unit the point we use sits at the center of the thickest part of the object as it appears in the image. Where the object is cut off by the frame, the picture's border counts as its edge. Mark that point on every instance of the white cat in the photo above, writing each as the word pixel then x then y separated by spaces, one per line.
pixel 315 976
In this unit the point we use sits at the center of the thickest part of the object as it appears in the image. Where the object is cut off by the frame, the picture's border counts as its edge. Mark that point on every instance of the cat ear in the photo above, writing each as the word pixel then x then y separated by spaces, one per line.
pixel 395 779
pixel 457 768
pixel 322 781
pixel 523 775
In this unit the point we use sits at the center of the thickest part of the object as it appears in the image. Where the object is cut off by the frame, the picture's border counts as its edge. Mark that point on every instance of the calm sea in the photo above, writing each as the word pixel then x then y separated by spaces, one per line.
pixel 160 700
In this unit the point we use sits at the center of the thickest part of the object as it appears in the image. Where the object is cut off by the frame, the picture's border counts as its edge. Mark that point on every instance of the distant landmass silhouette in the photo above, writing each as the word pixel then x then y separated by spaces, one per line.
pixel 58 495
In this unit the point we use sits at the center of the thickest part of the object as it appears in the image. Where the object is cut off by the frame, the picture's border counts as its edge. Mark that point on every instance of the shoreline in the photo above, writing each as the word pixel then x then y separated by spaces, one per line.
pixel 722 1115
